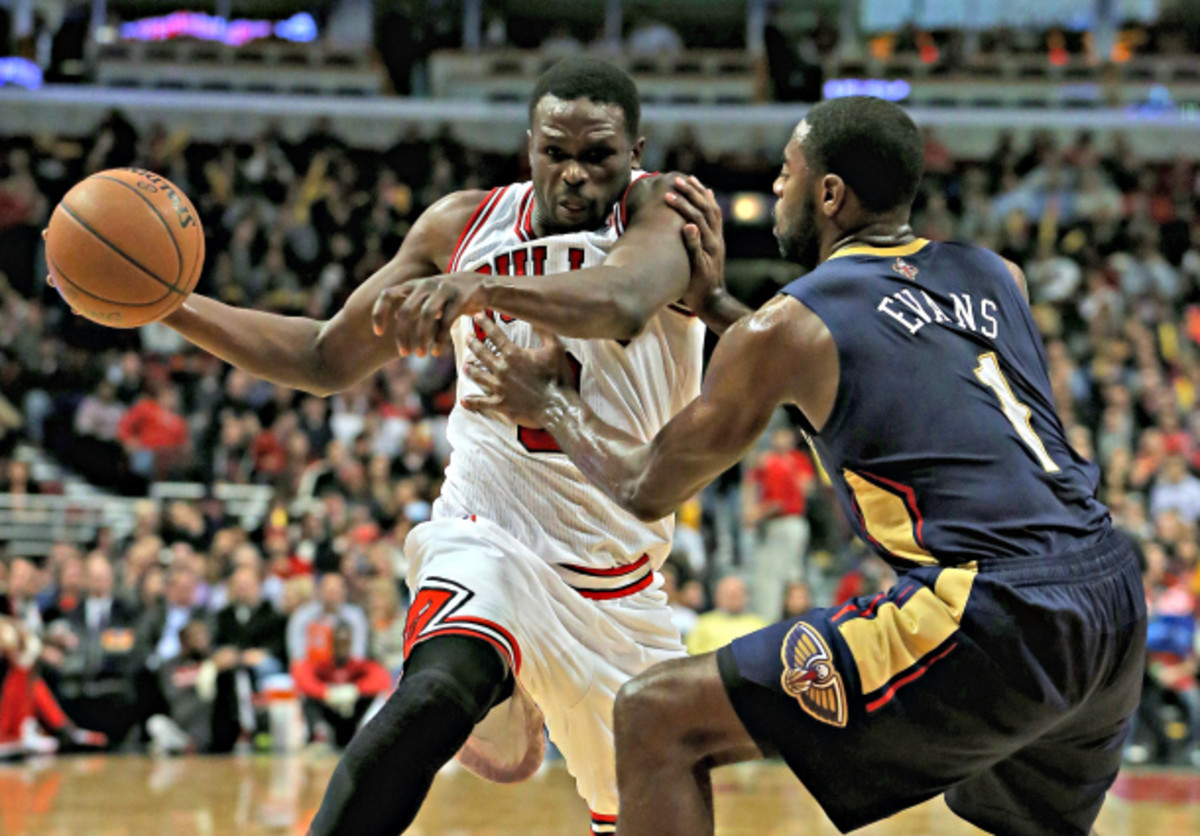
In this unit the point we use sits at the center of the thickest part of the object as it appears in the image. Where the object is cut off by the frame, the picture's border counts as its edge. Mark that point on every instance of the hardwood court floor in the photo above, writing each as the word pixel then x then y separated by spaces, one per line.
pixel 134 796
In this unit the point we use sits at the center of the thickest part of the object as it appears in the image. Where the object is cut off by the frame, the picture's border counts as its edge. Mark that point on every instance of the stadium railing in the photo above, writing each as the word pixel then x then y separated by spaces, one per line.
pixel 268 67
pixel 1155 131
pixel 30 524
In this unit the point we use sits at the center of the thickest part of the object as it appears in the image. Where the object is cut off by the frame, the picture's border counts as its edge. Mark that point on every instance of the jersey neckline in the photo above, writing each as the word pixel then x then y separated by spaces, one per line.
pixel 886 252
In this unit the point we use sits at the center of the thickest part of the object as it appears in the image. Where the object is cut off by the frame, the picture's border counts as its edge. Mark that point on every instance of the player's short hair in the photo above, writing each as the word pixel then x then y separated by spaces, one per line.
pixel 589 78
pixel 871 144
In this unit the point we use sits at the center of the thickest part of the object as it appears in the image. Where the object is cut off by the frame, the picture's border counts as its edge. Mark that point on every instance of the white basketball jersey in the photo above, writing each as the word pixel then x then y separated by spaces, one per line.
pixel 515 476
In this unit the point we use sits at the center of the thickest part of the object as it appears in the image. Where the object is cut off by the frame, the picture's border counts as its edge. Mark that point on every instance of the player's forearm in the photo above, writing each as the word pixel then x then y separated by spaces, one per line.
pixel 649 480
pixel 721 311
pixel 595 303
pixel 281 349
pixel 612 460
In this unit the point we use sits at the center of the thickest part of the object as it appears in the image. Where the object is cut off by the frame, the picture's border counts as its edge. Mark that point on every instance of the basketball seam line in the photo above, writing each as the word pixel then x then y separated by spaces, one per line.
pixel 75 217
pixel 154 209
pixel 197 266
pixel 87 292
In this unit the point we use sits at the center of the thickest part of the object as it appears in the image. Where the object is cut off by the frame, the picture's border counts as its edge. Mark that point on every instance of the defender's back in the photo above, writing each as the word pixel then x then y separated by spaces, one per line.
pixel 936 344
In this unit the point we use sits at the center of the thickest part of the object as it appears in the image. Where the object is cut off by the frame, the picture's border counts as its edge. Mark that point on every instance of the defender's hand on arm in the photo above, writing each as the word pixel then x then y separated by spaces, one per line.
pixel 650 480
pixel 646 270
pixel 703 238
pixel 422 312
pixel 516 382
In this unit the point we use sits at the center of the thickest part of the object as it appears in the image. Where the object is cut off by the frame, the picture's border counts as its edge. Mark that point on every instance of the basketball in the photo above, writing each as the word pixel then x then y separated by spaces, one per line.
pixel 125 247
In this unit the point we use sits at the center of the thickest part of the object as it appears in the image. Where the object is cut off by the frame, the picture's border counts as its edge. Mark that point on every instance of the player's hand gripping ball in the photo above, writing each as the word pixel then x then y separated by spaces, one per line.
pixel 125 247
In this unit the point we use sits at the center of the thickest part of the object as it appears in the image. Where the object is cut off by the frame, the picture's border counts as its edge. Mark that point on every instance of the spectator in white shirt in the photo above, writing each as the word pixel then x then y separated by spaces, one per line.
pixel 310 629
pixel 1176 490
pixel 162 627
pixel 99 414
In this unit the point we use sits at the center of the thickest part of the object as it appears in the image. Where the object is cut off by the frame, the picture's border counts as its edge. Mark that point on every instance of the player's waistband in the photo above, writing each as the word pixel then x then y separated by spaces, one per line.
pixel 603 584
pixel 1112 554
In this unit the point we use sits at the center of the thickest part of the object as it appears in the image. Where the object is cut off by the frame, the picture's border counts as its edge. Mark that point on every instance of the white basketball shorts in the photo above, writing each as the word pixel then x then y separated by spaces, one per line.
pixel 571 646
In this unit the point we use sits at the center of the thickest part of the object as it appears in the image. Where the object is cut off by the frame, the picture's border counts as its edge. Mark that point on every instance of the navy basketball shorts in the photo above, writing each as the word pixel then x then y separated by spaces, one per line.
pixel 1009 689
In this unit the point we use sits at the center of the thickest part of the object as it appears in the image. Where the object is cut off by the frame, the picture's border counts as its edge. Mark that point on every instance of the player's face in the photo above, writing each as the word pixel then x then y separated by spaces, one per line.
pixel 796 210
pixel 581 157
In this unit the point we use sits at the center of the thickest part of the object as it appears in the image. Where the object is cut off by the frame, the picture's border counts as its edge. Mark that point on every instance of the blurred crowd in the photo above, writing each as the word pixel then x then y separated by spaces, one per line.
pixel 176 635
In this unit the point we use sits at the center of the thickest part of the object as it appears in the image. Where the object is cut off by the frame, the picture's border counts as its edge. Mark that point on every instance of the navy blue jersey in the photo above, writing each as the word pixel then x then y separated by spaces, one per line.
pixel 944 445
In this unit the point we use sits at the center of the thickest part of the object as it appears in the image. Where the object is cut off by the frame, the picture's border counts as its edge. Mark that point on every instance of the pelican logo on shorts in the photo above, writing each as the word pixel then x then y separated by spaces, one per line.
pixel 810 677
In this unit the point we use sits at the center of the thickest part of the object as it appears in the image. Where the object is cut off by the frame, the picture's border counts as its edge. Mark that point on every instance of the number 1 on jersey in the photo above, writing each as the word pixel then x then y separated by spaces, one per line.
pixel 988 372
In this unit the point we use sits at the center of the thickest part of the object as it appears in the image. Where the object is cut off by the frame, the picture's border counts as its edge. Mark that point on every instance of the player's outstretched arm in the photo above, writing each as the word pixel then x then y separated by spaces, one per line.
pixel 323 357
pixel 646 269
pixel 780 354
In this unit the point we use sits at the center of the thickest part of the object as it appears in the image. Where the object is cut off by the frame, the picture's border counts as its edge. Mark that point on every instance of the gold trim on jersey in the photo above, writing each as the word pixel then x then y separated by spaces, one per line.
pixel 887 519
pixel 883 252
pixel 898 637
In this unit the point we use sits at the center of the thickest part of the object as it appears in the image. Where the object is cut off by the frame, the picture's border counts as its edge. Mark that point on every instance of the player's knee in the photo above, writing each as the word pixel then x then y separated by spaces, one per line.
pixel 433 690
pixel 463 671
pixel 645 710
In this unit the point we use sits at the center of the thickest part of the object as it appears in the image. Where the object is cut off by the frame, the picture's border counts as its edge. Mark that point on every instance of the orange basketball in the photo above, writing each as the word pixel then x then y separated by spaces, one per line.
pixel 125 247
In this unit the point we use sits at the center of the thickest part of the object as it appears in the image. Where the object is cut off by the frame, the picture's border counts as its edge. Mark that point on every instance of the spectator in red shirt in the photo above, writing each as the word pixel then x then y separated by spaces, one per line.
pixel 871 575
pixel 26 704
pixel 337 693
pixel 775 502
pixel 155 435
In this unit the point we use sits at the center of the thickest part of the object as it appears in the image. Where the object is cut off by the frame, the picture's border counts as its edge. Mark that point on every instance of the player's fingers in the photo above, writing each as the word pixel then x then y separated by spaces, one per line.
pixel 684 208
pixel 45 233
pixel 700 197
pixel 690 188
pixel 428 319
pixel 385 307
pixel 480 403
pixel 482 354
pixel 706 211
pixel 50 281
pixel 702 191
pixel 406 318
pixel 691 240
pixel 380 312
pixel 488 381
pixel 442 337
pixel 493 332
pixel 485 379
pixel 715 218
pixel 706 201
pixel 710 239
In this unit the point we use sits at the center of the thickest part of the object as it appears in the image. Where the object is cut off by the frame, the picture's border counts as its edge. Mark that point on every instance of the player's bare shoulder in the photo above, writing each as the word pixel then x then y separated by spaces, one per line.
pixel 791 343
pixel 440 226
